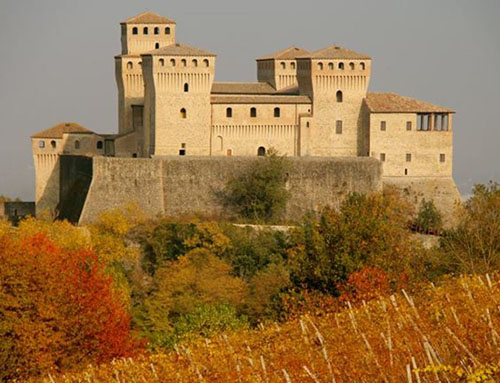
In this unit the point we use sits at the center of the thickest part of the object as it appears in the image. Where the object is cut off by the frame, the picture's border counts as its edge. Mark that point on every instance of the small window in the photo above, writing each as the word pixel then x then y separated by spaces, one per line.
pixel 277 112
pixel 341 66
pixel 135 31
pixel 206 63
pixel 229 152
pixel 283 65
pixel 140 64
pixel 162 62
pixel 330 66
pixel 382 157
pixel 221 143
pixel 229 112
pixel 408 157
pixel 183 145
pixel 130 65
pixel 184 62
pixel 338 127
pixel 406 172
pixel 157 45
pixel 253 112
pixel 186 87
pixel 172 62
pixel 157 31
pixel 261 151
pixel 362 65
pixel 41 144
pixel 308 124
pixel 442 157
pixel 146 31
pixel 77 144
pixel 320 66
pixel 383 126
pixel 167 30
pixel 134 155
pixel 351 66
pixel 182 152
pixel 99 145
pixel 183 113
pixel 408 125
pixel 53 144
pixel 292 65
pixel 195 63
pixel 340 96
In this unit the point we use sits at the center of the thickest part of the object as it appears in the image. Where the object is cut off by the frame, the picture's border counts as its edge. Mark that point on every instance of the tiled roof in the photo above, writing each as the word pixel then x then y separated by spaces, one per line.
pixel 148 18
pixel 242 88
pixel 394 103
pixel 263 99
pixel 335 52
pixel 286 54
pixel 57 131
pixel 179 50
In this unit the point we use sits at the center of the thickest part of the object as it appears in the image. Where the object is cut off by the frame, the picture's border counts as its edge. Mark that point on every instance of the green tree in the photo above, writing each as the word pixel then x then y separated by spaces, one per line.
pixel 429 218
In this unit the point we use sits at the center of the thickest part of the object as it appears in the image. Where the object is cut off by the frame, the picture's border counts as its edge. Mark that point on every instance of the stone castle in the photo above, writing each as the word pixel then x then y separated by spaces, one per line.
pixel 173 117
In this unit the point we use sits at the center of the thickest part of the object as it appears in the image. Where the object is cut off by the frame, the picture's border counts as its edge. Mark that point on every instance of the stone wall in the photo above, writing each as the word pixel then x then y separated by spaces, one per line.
pixel 176 186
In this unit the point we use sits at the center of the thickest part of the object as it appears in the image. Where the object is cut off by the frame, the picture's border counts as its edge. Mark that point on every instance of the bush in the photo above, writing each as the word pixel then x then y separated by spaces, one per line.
pixel 259 194
pixel 428 219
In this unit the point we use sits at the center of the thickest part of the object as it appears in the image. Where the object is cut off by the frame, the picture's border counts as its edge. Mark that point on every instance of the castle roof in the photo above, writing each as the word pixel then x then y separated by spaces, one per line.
pixel 179 50
pixel 394 103
pixel 58 130
pixel 148 18
pixel 335 52
pixel 242 88
pixel 259 99
pixel 286 54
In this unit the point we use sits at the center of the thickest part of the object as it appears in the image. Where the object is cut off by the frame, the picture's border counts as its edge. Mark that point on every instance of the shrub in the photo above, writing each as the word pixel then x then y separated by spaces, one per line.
pixel 428 219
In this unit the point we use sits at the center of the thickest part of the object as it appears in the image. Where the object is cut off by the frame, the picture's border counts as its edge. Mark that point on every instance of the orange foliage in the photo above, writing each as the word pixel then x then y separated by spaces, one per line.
pixel 58 309
pixel 364 285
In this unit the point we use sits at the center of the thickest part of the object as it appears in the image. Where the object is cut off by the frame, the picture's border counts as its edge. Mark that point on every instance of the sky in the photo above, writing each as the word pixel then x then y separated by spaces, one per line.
pixel 56 62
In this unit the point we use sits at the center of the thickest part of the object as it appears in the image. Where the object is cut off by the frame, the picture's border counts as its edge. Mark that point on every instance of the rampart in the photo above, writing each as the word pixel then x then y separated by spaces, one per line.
pixel 174 186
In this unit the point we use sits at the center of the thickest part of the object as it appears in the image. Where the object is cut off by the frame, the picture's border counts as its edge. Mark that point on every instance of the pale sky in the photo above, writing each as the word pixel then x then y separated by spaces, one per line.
pixel 56 62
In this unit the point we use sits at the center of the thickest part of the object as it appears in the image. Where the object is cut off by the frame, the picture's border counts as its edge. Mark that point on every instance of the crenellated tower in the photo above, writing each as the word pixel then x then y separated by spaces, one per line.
pixel 140 34
pixel 279 69
pixel 336 79
pixel 177 109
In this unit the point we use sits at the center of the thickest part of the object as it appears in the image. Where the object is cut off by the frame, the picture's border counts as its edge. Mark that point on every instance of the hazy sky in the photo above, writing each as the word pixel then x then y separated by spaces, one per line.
pixel 56 62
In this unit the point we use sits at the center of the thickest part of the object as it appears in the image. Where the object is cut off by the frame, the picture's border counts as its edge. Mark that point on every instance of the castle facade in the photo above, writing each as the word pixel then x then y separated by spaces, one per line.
pixel 304 104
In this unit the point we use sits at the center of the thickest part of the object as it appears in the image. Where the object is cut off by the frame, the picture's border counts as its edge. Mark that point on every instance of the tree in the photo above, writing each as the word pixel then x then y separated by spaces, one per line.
pixel 259 193
pixel 429 218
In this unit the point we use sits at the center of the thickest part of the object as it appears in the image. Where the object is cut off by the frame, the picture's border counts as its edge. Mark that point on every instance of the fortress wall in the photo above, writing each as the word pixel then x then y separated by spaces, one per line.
pixel 185 186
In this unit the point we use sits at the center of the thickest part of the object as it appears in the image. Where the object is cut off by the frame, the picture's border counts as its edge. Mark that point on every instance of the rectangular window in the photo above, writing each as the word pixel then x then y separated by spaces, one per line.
pixel 41 144
pixel 408 157
pixel 382 157
pixel 423 122
pixel 338 127
pixel 183 145
pixel 182 152
pixel 442 157
pixel 408 125
pixel 383 125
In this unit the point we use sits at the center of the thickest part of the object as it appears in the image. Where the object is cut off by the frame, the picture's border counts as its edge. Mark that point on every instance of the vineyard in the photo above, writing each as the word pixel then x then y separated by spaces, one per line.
pixel 444 333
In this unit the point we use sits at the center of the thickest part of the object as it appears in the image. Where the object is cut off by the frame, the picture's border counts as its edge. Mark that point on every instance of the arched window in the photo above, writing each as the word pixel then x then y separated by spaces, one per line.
pixel 341 66
pixel 221 143
pixel 340 96
pixel 130 65
pixel 167 30
pixel 292 65
pixel 277 112
pixel 140 63
pixel 157 31
pixel 99 145
pixel 135 31
pixel 351 66
pixel 157 45
pixel 195 63
pixel 172 62
pixel 253 112
pixel 330 66
pixel 283 65
pixel 183 113
pixel 186 87
pixel 77 144
pixel 320 66
pixel 261 151
pixel 145 30
pixel 229 112
pixel 53 144
pixel 184 62
pixel 362 65
pixel 162 62
pixel 205 62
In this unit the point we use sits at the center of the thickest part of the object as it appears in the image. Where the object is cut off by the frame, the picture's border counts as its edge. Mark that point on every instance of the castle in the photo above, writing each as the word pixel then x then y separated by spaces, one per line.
pixel 304 104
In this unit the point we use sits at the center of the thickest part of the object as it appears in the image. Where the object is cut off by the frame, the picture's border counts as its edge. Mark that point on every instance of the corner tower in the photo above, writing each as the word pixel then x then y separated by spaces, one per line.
pixel 139 34
pixel 279 69
pixel 336 79
pixel 177 110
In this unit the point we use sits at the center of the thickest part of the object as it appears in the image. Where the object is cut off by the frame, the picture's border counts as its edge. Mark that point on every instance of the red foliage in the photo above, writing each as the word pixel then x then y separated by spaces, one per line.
pixel 58 309
pixel 367 284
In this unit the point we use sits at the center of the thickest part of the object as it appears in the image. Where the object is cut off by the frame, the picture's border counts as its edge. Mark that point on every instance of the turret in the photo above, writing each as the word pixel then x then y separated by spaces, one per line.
pixel 279 69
